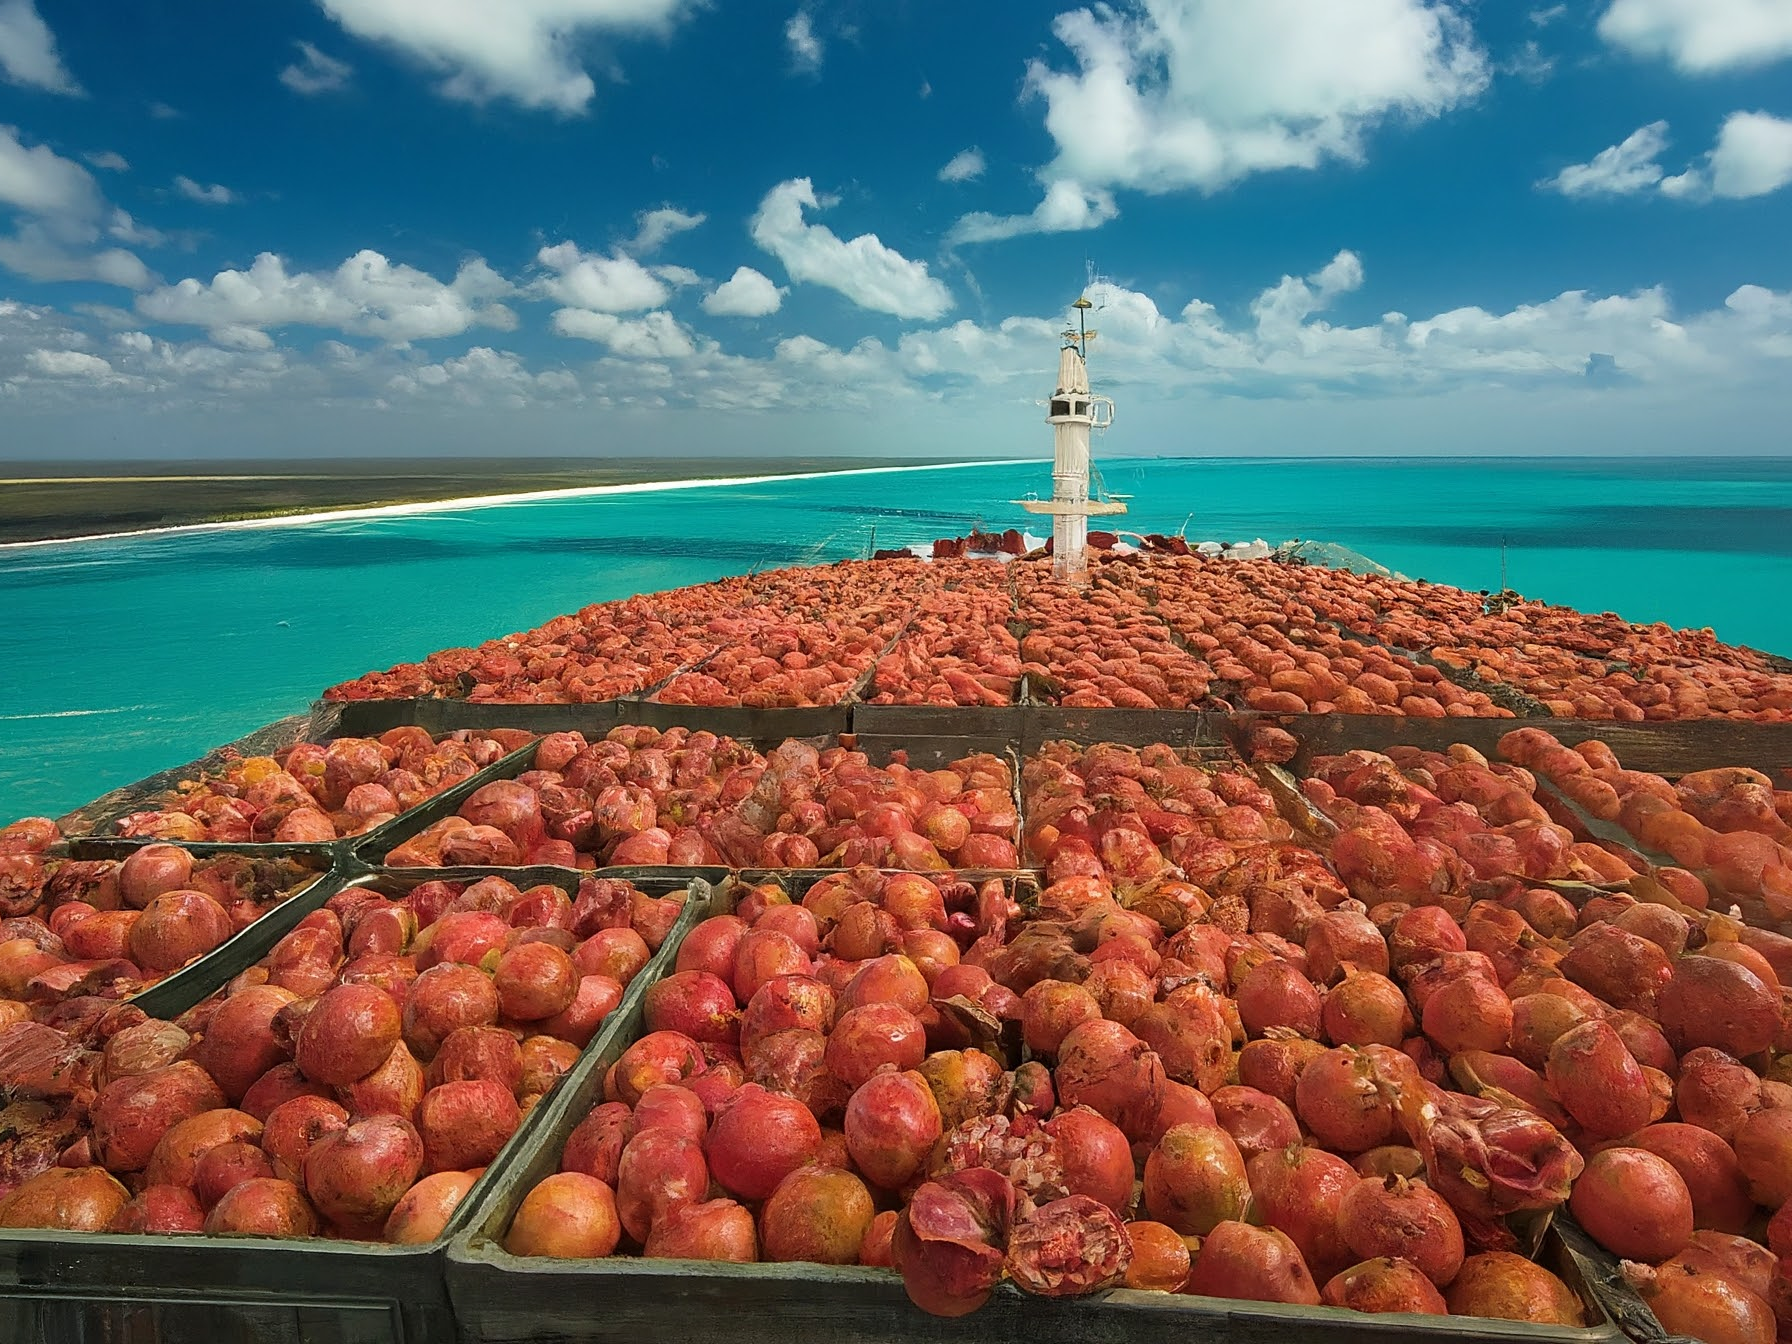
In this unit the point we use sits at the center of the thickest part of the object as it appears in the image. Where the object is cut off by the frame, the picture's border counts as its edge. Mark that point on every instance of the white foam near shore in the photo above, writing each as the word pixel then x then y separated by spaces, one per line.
pixel 472 502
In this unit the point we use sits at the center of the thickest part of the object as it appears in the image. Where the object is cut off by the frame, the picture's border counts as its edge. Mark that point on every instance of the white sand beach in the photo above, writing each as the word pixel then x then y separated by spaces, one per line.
pixel 473 502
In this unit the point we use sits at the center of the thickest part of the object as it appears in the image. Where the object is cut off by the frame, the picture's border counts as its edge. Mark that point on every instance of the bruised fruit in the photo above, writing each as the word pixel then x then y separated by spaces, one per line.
pixel 1195 1178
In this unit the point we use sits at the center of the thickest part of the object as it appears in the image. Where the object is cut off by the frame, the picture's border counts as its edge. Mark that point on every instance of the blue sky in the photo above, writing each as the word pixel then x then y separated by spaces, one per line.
pixel 374 227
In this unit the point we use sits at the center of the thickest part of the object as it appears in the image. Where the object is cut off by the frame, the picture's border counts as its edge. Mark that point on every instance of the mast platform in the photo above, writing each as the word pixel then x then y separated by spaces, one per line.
pixel 1071 508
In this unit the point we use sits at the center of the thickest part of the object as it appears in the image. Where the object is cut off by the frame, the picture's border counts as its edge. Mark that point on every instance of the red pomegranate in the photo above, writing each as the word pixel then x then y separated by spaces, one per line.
pixel 356 1175
pixel 131 1114
pixel 423 1213
pixel 1634 1204
pixel 1299 1191
pixel 1104 1066
pixel 1095 1156
pixel 568 1215
pixel 347 1035
pixel 1258 1264
pixel 64 1199
pixel 758 1138
pixel 818 1214
pixel 892 1123
pixel 1384 1284
pixel 264 1207
pixel 1195 1178
pixel 293 1127
pixel 465 1124
pixel 696 1003
pixel 659 1169
pixel 1503 1286
pixel 1402 1219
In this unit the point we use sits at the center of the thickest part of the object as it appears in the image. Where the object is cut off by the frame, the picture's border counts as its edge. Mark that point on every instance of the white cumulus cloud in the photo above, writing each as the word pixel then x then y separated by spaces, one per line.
pixel 656 335
pixel 965 166
pixel 212 195
pixel 68 364
pixel 1701 37
pixel 28 50
pixel 863 269
pixel 484 376
pixel 588 280
pixel 315 72
pixel 1752 157
pixel 40 251
pixel 523 50
pixel 1615 363
pixel 1203 93
pixel 746 293
pixel 1622 170
pixel 366 295
pixel 805 47
pixel 42 182
pixel 65 218
pixel 1066 208
pixel 653 228
pixel 109 161
pixel 127 230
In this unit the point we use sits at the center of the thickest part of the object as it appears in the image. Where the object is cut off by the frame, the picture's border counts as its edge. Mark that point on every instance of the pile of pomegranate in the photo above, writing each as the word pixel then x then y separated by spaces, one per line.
pixel 316 792
pixel 1579 664
pixel 105 928
pixel 1344 1048
pixel 1729 823
pixel 1280 659
pixel 353 1084
pixel 816 662
pixel 1159 628
pixel 957 649
pixel 637 645
pixel 1102 648
pixel 641 795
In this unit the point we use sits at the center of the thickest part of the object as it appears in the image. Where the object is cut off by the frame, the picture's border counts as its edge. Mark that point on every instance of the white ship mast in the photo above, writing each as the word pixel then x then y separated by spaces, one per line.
pixel 1074 412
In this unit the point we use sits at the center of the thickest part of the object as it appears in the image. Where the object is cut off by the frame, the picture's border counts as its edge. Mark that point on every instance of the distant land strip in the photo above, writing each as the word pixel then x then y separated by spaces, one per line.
pixel 41 501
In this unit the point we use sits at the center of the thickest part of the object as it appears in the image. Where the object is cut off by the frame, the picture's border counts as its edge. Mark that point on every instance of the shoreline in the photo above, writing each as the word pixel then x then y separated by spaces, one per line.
pixel 470 503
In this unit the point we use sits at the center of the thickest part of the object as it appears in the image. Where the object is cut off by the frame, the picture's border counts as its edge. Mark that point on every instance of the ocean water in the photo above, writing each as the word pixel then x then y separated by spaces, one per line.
pixel 119 658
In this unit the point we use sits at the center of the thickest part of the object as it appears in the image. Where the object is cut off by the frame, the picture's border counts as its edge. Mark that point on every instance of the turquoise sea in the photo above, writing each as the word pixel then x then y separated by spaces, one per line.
pixel 119 658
